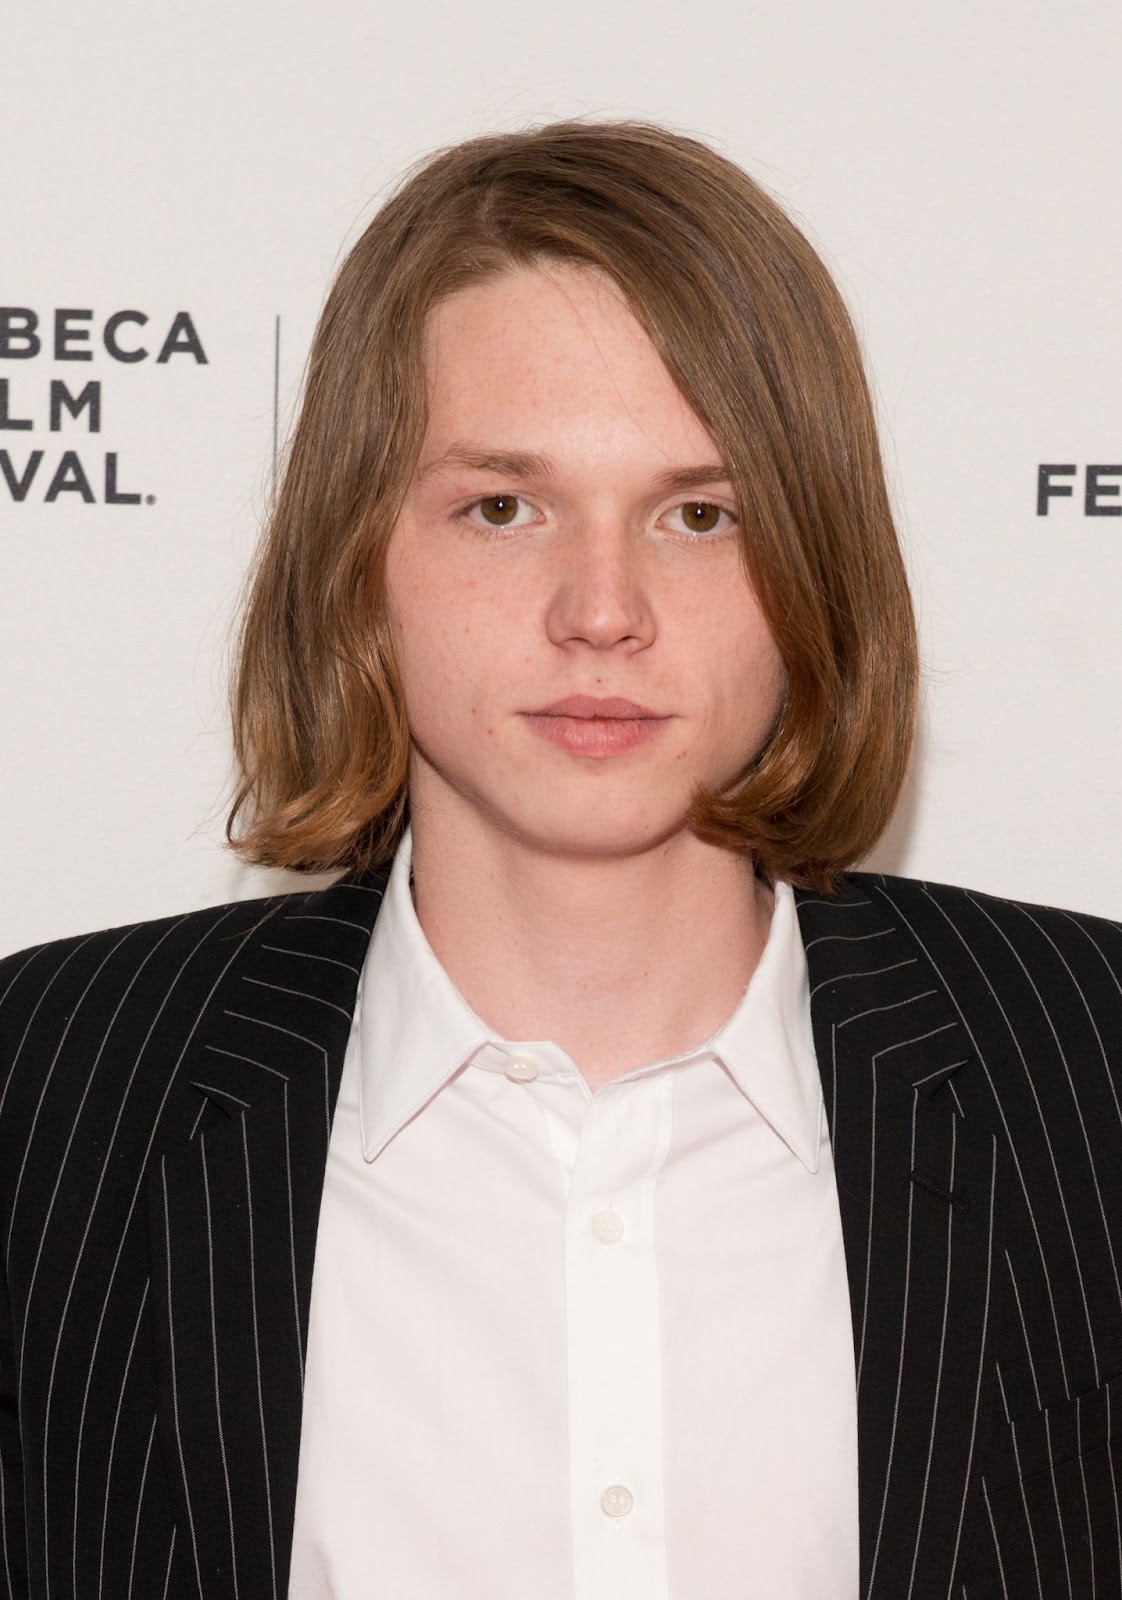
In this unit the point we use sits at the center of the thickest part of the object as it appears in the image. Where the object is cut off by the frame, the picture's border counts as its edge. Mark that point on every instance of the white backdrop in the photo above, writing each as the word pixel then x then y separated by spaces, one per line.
pixel 956 163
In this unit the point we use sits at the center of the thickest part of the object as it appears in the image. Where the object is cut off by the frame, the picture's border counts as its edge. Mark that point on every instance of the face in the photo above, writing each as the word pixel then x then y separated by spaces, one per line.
pixel 578 643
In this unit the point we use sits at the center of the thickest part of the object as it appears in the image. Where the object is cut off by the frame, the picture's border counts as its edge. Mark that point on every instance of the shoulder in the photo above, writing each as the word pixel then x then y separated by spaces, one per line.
pixel 192 948
pixel 63 1004
pixel 137 993
pixel 979 924
pixel 1014 968
pixel 111 961
pixel 1008 965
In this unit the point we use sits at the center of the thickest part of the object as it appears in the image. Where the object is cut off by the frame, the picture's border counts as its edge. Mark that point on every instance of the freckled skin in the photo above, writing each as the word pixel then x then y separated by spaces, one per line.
pixel 598 588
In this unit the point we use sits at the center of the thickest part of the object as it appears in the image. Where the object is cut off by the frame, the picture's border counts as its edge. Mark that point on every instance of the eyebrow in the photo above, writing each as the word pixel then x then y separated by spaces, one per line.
pixel 528 464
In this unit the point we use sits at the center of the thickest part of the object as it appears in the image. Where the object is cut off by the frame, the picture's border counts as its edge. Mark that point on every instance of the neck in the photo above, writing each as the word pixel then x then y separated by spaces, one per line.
pixel 618 959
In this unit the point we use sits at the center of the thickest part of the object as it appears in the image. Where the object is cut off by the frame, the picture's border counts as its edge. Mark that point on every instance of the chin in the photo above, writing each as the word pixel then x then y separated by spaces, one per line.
pixel 599 828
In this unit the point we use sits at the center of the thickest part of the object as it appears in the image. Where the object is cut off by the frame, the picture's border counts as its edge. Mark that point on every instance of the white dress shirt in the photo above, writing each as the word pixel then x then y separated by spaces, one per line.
pixel 571 1345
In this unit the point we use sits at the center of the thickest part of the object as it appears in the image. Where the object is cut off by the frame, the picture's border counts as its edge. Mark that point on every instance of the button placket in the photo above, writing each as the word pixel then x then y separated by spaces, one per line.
pixel 614 1344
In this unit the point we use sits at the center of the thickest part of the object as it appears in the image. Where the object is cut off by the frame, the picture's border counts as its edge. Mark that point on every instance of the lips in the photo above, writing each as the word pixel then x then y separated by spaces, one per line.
pixel 587 707
pixel 588 725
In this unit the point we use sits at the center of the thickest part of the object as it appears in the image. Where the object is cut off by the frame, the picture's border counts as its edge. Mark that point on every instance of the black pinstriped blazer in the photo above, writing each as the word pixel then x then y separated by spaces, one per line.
pixel 166 1094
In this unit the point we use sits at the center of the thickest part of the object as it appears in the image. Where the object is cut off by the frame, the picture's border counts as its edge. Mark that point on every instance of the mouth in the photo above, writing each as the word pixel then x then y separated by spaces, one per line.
pixel 583 725
pixel 587 708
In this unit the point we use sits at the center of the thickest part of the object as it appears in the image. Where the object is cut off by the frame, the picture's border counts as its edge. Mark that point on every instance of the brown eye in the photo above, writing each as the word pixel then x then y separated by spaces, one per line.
pixel 499 509
pixel 700 516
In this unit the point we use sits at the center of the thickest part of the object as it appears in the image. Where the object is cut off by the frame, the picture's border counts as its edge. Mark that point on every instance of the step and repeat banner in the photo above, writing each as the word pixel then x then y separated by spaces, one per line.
pixel 179 186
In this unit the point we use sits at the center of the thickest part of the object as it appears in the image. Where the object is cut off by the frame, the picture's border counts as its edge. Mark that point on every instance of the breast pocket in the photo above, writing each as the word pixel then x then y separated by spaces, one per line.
pixel 1051 1491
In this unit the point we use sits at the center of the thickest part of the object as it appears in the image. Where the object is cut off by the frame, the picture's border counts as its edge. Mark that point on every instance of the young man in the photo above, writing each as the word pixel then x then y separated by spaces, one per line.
pixel 596 1192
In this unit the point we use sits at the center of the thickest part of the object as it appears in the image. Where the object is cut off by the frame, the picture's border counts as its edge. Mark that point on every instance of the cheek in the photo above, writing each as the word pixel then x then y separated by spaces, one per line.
pixel 765 665
pixel 443 646
pixel 756 681
pixel 771 674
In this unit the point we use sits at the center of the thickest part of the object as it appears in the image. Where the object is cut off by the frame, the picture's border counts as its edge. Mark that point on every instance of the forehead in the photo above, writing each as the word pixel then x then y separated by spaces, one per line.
pixel 547 347
pixel 532 304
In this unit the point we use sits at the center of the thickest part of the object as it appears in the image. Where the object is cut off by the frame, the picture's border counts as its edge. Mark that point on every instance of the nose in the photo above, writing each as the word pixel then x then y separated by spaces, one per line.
pixel 601 591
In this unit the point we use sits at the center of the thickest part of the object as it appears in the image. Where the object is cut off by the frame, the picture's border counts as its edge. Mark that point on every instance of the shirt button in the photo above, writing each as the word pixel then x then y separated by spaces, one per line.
pixel 523 1069
pixel 608 1227
pixel 617 1500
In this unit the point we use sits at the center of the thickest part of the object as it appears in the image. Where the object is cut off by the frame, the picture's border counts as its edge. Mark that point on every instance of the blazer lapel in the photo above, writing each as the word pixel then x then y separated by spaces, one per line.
pixel 916 1185
pixel 233 1209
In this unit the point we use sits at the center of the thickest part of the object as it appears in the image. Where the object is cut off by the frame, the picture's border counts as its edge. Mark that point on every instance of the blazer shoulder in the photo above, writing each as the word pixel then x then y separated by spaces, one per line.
pixel 1053 953
pixel 62 1000
pixel 26 976
pixel 959 905
pixel 143 988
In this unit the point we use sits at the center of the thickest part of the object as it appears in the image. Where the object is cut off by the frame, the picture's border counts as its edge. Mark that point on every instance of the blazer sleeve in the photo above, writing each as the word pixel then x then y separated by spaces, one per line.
pixel 13 1527
pixel 13 1569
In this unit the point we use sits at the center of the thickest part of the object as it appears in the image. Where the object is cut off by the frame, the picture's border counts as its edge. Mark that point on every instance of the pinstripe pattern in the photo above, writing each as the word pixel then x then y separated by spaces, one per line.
pixel 120 1059
pixel 916 1185
pixel 166 1094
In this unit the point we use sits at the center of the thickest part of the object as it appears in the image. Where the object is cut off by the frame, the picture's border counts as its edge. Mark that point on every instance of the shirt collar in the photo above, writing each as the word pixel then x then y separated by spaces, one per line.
pixel 415 1030
pixel 767 1044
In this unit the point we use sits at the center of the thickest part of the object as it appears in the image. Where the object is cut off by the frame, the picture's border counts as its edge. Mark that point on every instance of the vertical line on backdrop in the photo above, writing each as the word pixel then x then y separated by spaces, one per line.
pixel 276 396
